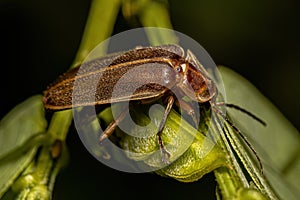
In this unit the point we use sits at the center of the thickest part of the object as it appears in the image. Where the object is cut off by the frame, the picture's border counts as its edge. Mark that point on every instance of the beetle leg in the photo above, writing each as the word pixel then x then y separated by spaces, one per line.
pixel 164 152
pixel 188 109
pixel 112 126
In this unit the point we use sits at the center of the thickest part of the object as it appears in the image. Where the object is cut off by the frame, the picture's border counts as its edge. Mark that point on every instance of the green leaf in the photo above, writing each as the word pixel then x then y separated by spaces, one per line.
pixel 192 154
pixel 277 143
pixel 22 123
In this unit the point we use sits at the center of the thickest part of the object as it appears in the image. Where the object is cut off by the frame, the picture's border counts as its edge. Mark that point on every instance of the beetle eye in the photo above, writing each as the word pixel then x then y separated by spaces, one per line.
pixel 178 69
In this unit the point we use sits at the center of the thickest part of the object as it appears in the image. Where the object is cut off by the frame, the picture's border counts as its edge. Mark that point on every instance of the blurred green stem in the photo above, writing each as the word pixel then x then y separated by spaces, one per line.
pixel 151 13
pixel 228 186
pixel 99 26
pixel 156 14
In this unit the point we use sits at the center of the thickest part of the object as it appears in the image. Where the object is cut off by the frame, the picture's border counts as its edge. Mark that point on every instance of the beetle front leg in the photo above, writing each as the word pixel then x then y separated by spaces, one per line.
pixel 189 110
pixel 164 152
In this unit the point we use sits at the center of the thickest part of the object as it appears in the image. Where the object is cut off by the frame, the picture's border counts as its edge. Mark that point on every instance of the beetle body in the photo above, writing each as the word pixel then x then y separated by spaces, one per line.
pixel 151 72
pixel 142 74
pixel 164 68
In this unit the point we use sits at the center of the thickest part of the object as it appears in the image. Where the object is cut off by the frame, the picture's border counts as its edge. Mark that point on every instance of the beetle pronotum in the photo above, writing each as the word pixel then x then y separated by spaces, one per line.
pixel 165 64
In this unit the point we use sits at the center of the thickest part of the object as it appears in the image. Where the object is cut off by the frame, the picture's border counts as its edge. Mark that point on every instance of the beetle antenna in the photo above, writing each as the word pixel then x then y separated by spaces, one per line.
pixel 242 110
pixel 241 135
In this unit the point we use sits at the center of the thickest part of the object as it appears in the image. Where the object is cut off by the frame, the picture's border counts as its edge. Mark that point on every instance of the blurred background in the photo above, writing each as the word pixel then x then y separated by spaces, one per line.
pixel 257 38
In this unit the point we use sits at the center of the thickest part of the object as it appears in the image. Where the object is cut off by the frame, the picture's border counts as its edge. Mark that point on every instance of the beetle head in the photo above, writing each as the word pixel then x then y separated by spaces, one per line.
pixel 195 84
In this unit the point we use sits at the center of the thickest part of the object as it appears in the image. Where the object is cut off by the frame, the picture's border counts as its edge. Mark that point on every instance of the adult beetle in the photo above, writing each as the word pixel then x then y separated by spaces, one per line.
pixel 165 69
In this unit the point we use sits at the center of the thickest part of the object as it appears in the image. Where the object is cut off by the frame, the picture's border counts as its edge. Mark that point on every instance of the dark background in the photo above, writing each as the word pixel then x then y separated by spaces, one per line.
pixel 258 39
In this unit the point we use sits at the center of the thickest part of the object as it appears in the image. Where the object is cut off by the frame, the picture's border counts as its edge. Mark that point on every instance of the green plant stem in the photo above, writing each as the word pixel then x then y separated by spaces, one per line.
pixel 152 13
pixel 59 125
pixel 227 184
pixel 43 166
pixel 98 27
pixel 156 15
pixel 230 189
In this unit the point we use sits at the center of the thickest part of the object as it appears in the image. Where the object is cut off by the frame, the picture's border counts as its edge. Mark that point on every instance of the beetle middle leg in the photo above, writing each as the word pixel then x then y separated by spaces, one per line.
pixel 112 126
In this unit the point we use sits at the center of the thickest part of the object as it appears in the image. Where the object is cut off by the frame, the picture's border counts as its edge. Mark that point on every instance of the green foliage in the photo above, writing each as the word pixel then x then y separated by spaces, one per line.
pixel 23 130
pixel 22 124
pixel 277 143
pixel 191 153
